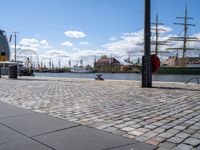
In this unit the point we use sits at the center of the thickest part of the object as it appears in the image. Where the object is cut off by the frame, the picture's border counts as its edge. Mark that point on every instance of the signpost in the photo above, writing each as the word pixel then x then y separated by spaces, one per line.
pixel 146 59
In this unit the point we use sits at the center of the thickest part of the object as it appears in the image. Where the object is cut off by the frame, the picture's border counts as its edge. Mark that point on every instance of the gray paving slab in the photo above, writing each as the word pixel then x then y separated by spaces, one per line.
pixel 36 124
pixel 7 110
pixel 26 144
pixel 136 146
pixel 8 135
pixel 83 138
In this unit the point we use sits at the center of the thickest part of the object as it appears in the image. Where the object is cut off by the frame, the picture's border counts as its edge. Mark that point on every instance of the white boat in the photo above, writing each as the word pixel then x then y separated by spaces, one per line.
pixel 81 69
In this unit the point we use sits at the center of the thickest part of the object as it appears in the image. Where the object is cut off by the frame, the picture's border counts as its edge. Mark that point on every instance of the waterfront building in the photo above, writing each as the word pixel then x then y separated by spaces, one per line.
pixel 105 64
pixel 4 47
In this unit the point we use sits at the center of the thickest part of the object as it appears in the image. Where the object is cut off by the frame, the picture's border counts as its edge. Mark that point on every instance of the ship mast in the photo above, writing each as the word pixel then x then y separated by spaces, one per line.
pixel 185 39
pixel 157 32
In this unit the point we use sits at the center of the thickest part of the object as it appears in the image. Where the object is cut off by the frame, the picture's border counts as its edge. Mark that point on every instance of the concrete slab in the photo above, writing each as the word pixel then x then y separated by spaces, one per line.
pixel 7 110
pixel 8 135
pixel 136 146
pixel 26 144
pixel 36 124
pixel 83 138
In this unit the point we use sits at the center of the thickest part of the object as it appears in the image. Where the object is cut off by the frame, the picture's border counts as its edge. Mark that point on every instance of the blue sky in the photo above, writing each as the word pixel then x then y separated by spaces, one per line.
pixel 104 23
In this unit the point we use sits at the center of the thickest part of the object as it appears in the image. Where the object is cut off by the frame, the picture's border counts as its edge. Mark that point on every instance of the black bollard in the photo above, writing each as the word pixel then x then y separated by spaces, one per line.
pixel 98 77
pixel 12 72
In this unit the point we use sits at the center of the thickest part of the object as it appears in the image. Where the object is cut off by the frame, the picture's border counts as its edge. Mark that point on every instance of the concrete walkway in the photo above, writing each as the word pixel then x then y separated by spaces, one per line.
pixel 22 129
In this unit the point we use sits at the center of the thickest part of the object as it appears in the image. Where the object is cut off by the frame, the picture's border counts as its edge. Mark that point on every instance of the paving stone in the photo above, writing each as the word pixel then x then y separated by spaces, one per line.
pixel 183 147
pixel 35 124
pixel 166 135
pixel 137 146
pixel 189 131
pixel 143 130
pixel 136 133
pixel 195 127
pixel 196 135
pixel 8 135
pixel 180 127
pixel 192 141
pixel 110 105
pixel 26 144
pixel 152 142
pixel 127 129
pixel 150 134
pixel 82 138
pixel 159 139
pixel 150 126
pixel 168 145
pixel 142 138
pixel 174 131
pixel 182 135
pixel 110 129
pixel 118 132
pixel 159 130
pixel 7 110
pixel 175 140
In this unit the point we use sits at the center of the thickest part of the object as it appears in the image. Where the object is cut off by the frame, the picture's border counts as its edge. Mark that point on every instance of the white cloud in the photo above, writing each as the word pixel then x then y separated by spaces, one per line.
pixel 45 44
pixel 55 53
pixel 30 42
pixel 128 42
pixel 33 44
pixel 84 43
pixel 113 38
pixel 75 34
pixel 67 43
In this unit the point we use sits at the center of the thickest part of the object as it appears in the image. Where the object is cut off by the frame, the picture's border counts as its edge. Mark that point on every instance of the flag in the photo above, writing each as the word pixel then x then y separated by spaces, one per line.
pixel 10 39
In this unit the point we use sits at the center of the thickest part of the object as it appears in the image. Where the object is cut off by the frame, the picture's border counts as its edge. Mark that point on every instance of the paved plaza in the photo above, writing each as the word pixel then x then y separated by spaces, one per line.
pixel 167 115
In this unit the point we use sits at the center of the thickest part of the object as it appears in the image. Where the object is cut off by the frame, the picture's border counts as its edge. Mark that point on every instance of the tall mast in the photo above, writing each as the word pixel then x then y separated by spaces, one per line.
pixel 185 39
pixel 157 32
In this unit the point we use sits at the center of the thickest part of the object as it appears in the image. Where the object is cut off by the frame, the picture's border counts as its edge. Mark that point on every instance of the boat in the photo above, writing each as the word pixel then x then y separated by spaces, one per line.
pixel 81 69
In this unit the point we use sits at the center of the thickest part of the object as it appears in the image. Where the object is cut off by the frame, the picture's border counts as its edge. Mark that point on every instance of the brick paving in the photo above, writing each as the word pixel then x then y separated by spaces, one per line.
pixel 167 116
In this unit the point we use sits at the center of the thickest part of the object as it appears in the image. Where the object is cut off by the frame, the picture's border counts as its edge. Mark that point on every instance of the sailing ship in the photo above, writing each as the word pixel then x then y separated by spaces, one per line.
pixel 185 39
pixel 81 69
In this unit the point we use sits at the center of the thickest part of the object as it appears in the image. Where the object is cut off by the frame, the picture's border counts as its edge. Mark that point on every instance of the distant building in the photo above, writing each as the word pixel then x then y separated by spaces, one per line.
pixel 4 47
pixel 182 62
pixel 106 62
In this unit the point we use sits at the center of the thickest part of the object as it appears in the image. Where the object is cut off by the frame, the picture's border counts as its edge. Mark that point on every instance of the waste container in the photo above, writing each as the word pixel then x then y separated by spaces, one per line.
pixel 12 71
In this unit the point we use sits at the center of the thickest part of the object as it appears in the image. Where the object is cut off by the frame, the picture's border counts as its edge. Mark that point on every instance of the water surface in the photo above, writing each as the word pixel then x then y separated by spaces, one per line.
pixel 119 76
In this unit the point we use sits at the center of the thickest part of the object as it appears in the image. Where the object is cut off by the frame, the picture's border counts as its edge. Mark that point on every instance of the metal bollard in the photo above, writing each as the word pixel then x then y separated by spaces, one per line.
pixel 12 72
pixel 0 71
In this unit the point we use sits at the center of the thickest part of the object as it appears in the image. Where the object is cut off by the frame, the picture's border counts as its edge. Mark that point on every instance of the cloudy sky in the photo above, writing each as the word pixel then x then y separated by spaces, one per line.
pixel 64 29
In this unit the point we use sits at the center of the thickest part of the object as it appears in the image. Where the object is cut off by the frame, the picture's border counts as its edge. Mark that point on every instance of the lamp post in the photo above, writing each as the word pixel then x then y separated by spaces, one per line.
pixel 146 59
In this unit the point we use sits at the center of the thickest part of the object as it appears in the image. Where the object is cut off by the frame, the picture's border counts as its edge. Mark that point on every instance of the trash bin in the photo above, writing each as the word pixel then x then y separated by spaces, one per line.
pixel 12 72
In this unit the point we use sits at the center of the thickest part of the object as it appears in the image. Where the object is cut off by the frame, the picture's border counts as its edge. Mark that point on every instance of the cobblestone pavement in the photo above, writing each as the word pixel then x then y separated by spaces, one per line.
pixel 167 115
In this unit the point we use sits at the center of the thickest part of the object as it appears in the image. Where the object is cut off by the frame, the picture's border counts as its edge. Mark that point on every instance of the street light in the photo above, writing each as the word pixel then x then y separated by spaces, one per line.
pixel 146 59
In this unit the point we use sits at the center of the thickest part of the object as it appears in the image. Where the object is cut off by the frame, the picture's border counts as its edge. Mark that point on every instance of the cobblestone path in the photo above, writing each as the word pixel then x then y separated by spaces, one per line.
pixel 167 115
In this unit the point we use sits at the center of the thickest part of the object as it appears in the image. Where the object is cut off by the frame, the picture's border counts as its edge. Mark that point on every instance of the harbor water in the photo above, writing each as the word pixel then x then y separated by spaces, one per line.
pixel 119 76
